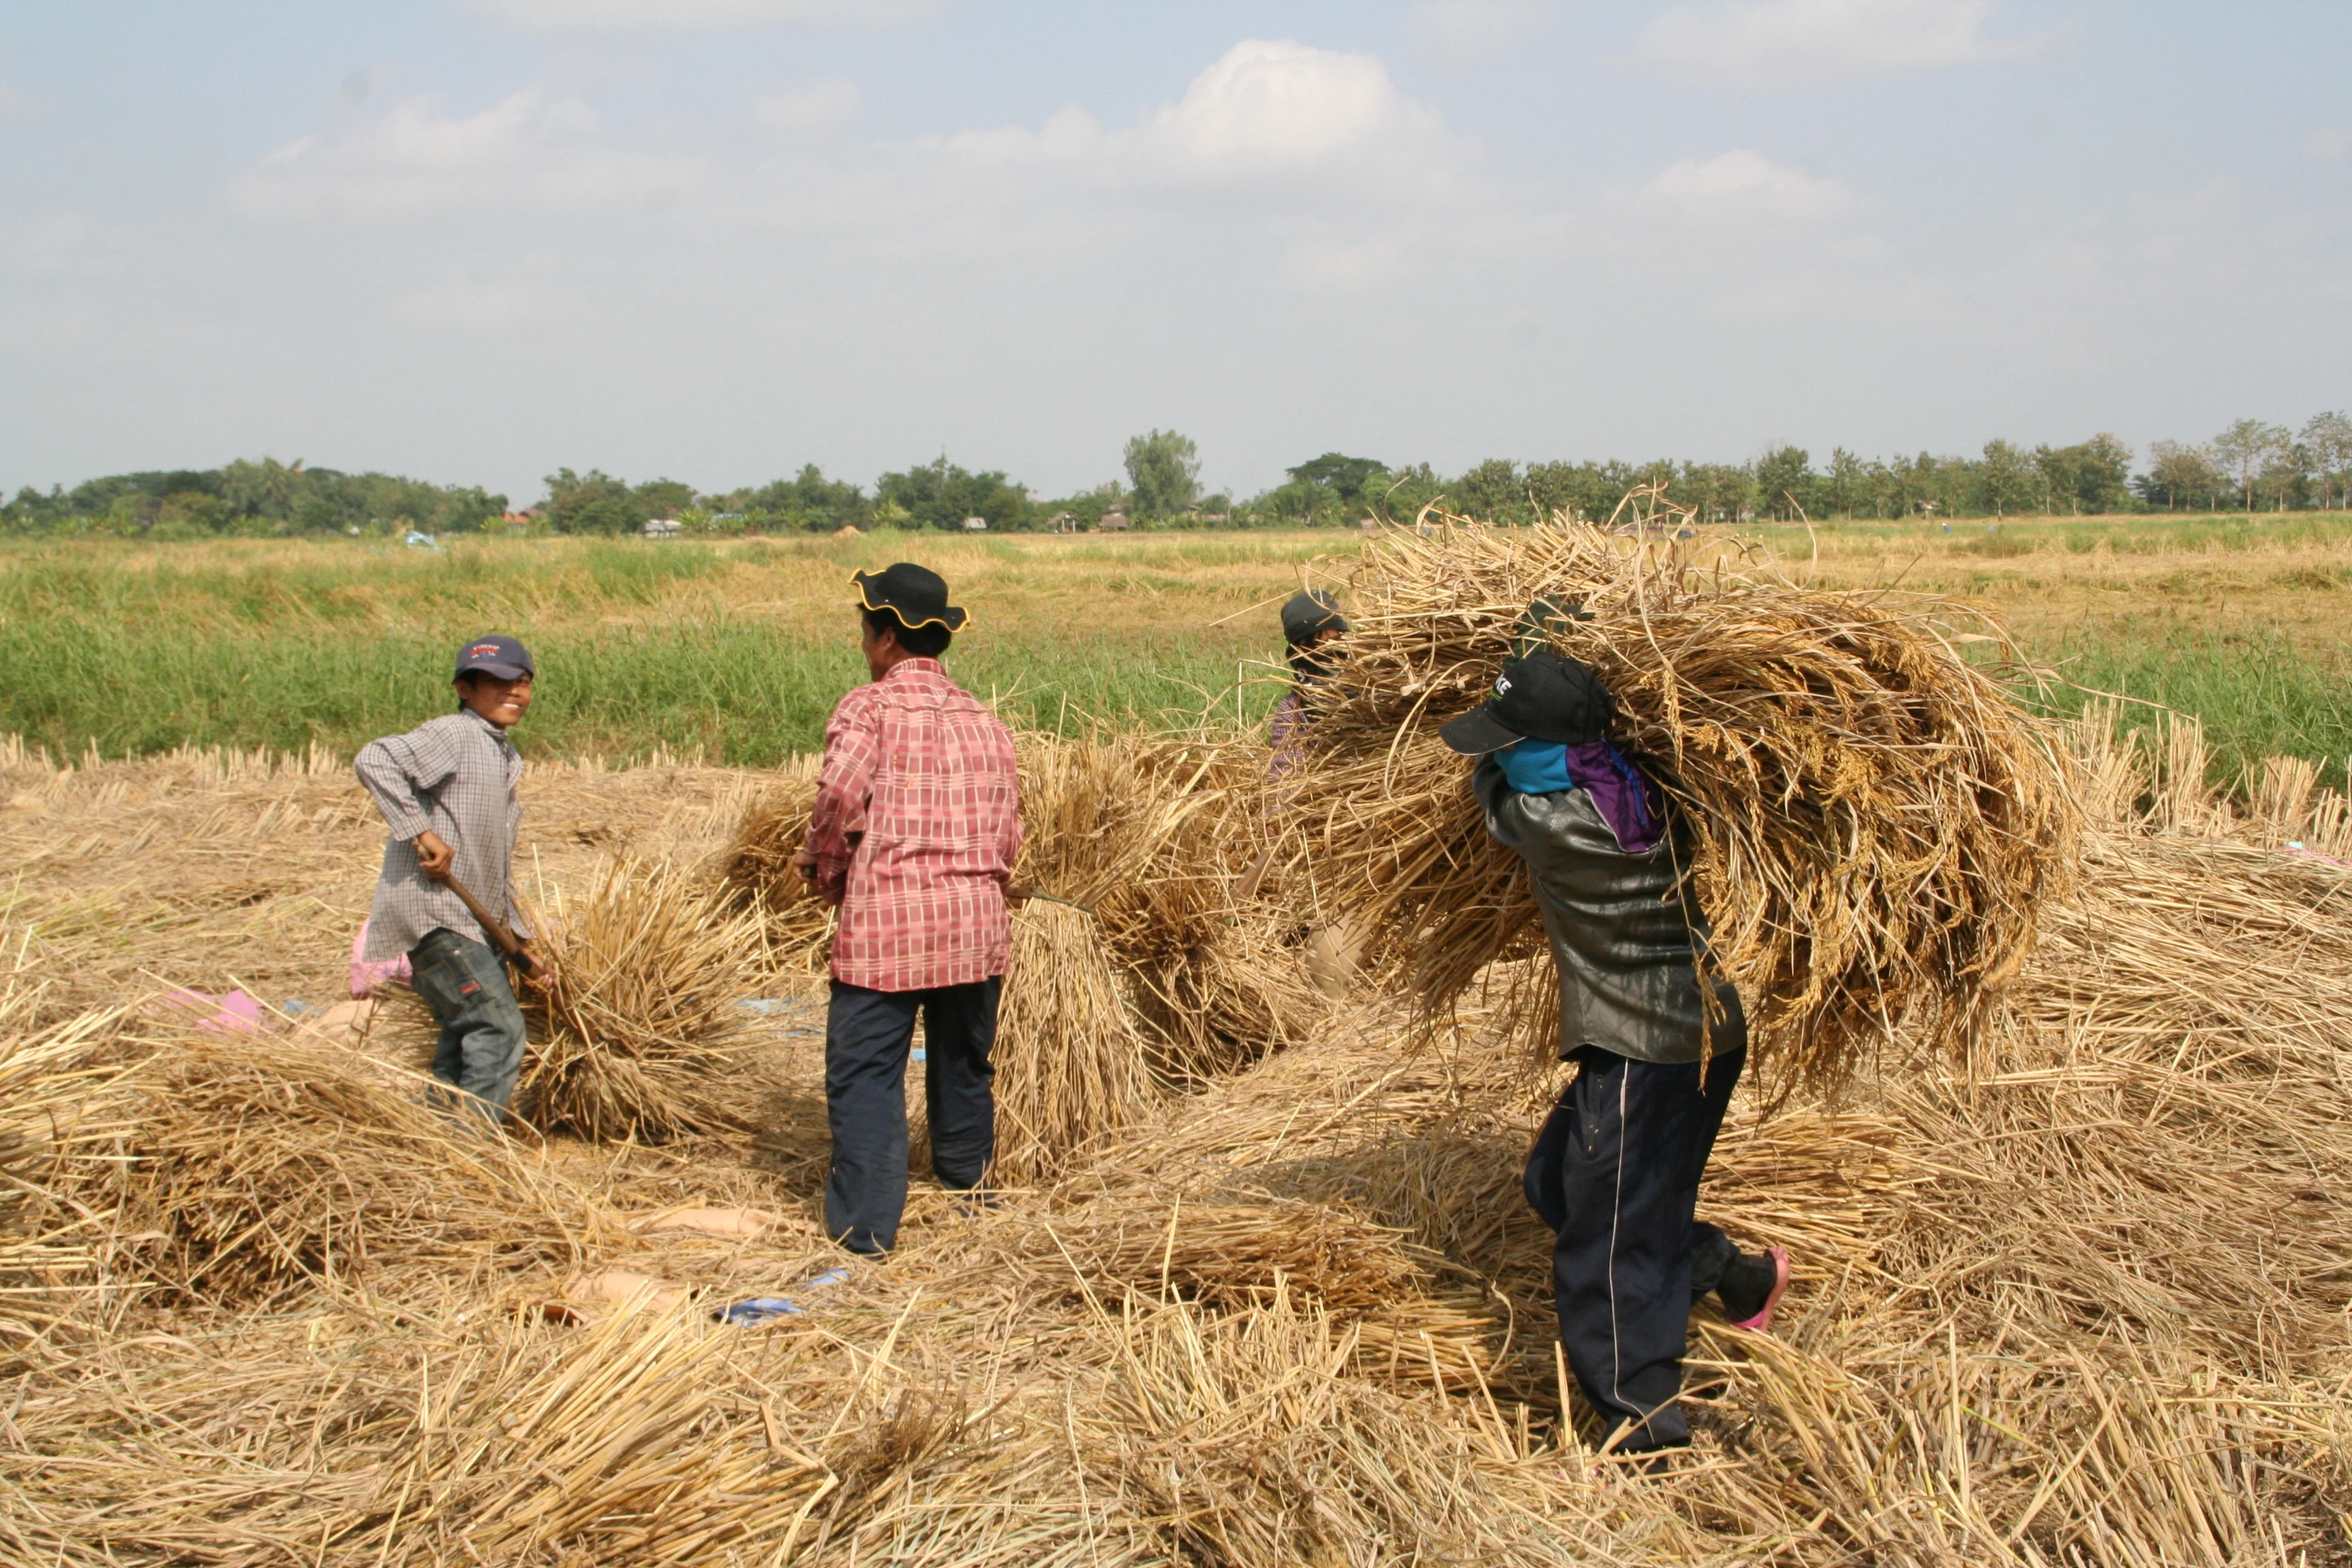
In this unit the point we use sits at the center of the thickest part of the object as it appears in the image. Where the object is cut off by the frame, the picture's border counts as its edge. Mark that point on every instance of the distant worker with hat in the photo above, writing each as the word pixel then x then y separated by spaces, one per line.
pixel 1615 1171
pixel 913 837
pixel 1311 621
pixel 448 789
pixel 1311 626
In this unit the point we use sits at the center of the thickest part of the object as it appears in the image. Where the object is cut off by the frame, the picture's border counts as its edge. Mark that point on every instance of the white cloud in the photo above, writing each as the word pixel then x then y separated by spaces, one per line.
pixel 702 15
pixel 818 107
pixel 532 153
pixel 2330 146
pixel 1787 43
pixel 1471 31
pixel 1270 113
pixel 1747 181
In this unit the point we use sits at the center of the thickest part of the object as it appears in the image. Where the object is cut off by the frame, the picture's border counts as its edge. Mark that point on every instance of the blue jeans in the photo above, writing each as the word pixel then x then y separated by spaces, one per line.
pixel 866 1036
pixel 481 1049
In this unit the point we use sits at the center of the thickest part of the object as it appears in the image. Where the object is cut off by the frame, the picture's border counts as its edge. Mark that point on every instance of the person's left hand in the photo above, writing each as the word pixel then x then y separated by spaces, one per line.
pixel 537 972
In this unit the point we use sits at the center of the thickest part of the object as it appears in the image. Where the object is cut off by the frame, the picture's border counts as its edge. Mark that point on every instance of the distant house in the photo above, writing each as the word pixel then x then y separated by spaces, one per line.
pixel 975 525
pixel 663 528
pixel 1063 522
pixel 1113 521
pixel 1369 525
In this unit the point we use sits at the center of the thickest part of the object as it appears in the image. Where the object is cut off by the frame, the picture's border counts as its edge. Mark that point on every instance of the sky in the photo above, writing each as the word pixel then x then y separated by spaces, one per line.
pixel 713 240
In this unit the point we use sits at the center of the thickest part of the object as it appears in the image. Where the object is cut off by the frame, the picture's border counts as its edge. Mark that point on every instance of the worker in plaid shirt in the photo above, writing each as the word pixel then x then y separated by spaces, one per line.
pixel 446 790
pixel 917 822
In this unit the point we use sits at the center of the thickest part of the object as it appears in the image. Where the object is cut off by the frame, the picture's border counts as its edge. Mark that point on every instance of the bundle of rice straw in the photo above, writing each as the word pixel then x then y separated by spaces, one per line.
pixel 1070 1063
pixel 756 871
pixel 58 1115
pixel 256 1169
pixel 635 1035
pixel 1875 823
pixel 1153 833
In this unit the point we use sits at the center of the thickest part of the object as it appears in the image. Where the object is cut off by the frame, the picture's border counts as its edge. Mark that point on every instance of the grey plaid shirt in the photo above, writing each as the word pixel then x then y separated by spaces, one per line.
pixel 454 775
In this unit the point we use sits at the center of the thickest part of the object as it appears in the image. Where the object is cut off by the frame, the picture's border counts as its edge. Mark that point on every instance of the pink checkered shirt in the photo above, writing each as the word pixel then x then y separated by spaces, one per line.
pixel 916 821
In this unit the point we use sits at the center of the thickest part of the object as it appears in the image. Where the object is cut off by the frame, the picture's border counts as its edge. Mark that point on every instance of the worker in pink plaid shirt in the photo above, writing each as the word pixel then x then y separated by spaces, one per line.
pixel 917 822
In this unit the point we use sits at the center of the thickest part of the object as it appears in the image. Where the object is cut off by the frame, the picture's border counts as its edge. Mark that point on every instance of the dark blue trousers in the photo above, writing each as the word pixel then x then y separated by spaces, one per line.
pixel 1615 1174
pixel 480 1052
pixel 866 1036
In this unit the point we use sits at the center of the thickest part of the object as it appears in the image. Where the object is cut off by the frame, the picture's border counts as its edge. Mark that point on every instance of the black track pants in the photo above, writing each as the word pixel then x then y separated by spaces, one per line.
pixel 866 1036
pixel 1615 1174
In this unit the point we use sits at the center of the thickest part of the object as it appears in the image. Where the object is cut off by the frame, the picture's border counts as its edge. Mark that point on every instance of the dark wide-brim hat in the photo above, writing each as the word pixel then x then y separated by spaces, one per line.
pixel 1544 697
pixel 1309 614
pixel 916 594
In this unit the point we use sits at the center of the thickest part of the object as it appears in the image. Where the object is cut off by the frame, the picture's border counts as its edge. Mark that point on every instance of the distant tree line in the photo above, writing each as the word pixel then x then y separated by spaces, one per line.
pixel 255 499
pixel 2251 466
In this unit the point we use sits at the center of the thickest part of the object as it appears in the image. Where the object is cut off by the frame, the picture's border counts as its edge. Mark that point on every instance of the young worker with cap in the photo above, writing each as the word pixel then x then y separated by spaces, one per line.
pixel 448 791
pixel 917 822
pixel 1615 1171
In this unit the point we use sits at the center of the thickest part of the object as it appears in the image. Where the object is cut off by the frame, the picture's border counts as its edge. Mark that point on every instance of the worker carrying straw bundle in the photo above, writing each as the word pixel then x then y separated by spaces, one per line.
pixel 913 837
pixel 1615 1172
pixel 445 894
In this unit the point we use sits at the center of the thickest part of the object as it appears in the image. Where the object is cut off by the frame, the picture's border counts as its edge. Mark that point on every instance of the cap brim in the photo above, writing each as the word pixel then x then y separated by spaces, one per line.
pixel 1477 732
pixel 495 671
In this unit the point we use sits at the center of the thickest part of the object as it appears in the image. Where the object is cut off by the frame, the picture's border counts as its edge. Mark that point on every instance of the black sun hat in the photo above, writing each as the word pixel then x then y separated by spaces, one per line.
pixel 916 594
pixel 1309 614
pixel 1543 697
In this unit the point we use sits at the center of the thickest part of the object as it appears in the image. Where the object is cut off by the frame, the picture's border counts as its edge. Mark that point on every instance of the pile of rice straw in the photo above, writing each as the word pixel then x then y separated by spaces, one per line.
pixel 1071 1067
pixel 639 1032
pixel 2079 1300
pixel 1156 833
pixel 756 873
pixel 255 1169
pixel 1875 824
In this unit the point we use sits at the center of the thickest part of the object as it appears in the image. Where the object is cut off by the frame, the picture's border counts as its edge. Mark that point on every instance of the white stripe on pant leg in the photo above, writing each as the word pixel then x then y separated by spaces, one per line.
pixel 1616 1214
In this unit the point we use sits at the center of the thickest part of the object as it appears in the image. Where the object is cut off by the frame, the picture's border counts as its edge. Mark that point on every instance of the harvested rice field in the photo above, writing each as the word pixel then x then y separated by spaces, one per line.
pixel 2069 1216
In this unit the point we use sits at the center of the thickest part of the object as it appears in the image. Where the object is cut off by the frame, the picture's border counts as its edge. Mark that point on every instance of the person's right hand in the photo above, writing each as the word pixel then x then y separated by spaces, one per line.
pixel 434 856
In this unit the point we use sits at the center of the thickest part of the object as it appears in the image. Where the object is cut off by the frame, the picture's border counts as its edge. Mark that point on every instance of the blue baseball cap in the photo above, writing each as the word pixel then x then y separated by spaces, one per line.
pixel 501 658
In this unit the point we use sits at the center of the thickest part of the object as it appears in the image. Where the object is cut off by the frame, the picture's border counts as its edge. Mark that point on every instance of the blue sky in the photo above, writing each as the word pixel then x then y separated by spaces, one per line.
pixel 716 239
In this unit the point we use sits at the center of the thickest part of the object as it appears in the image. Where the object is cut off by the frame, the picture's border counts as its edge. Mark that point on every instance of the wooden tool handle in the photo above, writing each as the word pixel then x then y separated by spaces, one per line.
pixel 505 940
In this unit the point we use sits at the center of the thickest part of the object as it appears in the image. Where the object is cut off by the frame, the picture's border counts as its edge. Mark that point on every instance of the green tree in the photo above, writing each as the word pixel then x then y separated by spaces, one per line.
pixel 663 498
pixel 2245 450
pixel 1848 486
pixel 1331 487
pixel 1723 492
pixel 2103 474
pixel 2181 475
pixel 1785 482
pixel 2329 437
pixel 806 501
pixel 941 495
pixel 594 502
pixel 1164 469
pixel 1493 491
pixel 2007 478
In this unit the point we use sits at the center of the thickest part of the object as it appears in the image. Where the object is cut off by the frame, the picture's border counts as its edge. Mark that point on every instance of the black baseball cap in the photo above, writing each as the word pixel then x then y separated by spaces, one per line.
pixel 1543 697
pixel 1309 614
pixel 501 658
pixel 916 594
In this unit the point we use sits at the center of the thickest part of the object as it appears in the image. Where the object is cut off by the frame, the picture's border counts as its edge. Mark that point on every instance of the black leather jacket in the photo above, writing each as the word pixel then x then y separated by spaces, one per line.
pixel 1621 936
